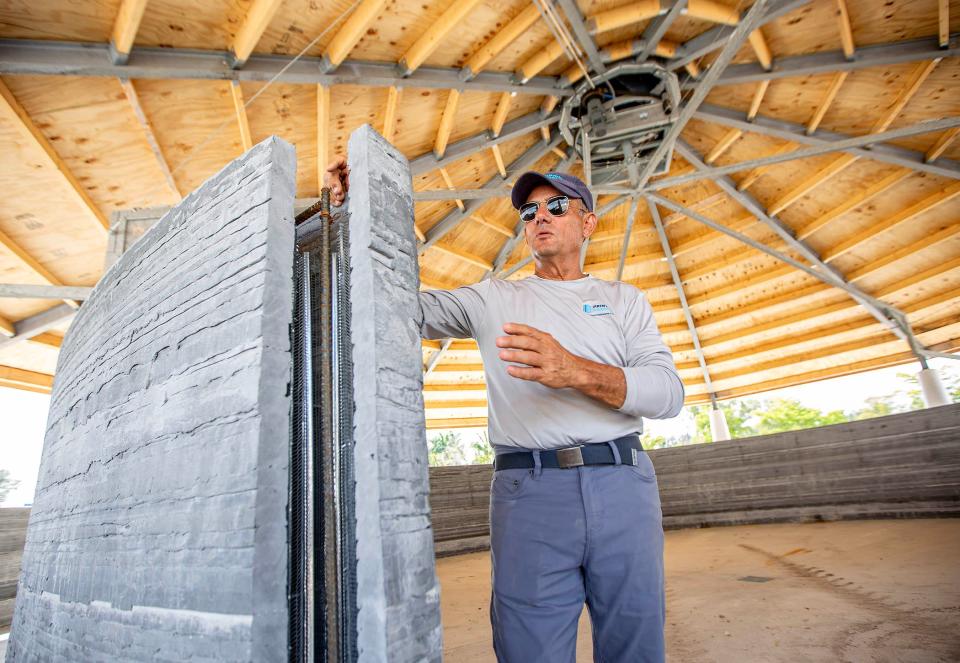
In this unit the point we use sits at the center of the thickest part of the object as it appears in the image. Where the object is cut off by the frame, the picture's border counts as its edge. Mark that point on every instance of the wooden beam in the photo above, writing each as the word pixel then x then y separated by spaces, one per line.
pixel 449 182
pixel 458 345
pixel 758 95
pixel 742 285
pixel 506 36
pixel 46 338
pixel 715 12
pixel 7 328
pixel 762 49
pixel 31 263
pixel 10 374
pixel 861 197
pixel 498 157
pixel 942 144
pixel 459 368
pixel 430 40
pixel 827 100
pixel 446 123
pixel 496 227
pixel 942 235
pixel 901 217
pixel 237 94
pixel 723 145
pixel 458 422
pixel 464 256
pixel 323 132
pixel 125 28
pixel 454 386
pixel 693 69
pixel 14 113
pixel 943 11
pixel 390 112
pixel 546 107
pixel 134 100
pixel 846 32
pixel 919 75
pixel 810 183
pixel 750 178
pixel 258 17
pixel 458 404
pixel 353 28
pixel 419 233
pixel 500 114
pixel 543 57
pixel 628 14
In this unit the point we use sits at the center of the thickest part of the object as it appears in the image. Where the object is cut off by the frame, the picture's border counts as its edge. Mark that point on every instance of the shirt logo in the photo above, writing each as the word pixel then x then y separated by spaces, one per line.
pixel 597 309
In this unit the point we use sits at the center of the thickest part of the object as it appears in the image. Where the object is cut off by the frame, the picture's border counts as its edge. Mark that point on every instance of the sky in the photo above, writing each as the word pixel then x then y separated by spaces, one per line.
pixel 24 416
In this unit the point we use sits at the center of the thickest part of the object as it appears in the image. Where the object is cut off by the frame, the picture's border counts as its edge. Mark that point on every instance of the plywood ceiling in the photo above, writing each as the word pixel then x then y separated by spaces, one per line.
pixel 78 143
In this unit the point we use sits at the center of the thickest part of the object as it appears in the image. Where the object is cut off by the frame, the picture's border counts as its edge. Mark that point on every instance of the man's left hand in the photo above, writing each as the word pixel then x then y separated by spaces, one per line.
pixel 547 362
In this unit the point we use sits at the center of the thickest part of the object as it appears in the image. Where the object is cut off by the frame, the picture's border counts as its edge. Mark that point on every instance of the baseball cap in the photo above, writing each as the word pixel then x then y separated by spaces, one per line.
pixel 562 182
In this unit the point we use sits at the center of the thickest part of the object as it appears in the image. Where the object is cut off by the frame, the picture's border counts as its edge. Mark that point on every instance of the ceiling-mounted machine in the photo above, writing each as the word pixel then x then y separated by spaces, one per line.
pixel 618 119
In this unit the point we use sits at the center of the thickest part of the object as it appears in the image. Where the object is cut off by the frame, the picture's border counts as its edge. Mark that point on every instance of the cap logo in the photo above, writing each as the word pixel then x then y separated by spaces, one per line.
pixel 553 176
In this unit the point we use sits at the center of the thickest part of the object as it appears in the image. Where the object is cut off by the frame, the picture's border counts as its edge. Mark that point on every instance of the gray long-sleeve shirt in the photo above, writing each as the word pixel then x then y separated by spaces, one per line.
pixel 607 322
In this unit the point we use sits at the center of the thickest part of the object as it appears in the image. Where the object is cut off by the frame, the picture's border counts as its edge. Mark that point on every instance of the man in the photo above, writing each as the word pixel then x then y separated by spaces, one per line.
pixel 572 363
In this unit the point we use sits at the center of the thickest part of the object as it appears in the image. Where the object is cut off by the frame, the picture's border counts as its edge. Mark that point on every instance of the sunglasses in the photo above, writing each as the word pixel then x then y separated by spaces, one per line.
pixel 556 205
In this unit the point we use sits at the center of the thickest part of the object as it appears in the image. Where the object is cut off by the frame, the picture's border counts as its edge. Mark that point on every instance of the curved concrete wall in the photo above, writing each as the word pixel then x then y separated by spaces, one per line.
pixel 899 466
pixel 160 512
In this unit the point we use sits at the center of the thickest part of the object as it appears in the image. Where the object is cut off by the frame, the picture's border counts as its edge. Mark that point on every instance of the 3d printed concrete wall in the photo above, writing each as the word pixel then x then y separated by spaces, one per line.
pixel 160 524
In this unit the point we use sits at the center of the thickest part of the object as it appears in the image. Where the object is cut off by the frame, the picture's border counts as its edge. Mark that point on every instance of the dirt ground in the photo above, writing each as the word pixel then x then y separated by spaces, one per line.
pixel 858 591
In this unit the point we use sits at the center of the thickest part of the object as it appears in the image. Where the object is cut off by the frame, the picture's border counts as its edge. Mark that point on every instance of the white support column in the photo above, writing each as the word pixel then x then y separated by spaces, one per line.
pixel 934 393
pixel 718 425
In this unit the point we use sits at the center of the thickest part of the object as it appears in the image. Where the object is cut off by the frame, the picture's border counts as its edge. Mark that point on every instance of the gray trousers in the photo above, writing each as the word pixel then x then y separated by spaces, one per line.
pixel 562 537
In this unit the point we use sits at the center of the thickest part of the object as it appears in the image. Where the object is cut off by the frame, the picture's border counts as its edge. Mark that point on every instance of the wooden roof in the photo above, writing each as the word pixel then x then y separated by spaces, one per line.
pixel 82 136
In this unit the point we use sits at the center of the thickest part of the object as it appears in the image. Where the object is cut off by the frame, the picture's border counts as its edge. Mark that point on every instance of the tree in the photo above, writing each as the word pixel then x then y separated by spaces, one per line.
pixel 482 451
pixel 6 484
pixel 785 414
pixel 738 413
pixel 446 449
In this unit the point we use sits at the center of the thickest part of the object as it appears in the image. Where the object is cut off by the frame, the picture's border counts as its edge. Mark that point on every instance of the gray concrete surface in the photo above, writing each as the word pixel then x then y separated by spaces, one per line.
pixel 867 591
pixel 159 524
pixel 398 600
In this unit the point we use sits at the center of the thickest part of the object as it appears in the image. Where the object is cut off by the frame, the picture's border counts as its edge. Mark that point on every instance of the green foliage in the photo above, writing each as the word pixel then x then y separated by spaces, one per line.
pixel 446 448
pixel 785 414
pixel 6 484
pixel 482 451
pixel 739 414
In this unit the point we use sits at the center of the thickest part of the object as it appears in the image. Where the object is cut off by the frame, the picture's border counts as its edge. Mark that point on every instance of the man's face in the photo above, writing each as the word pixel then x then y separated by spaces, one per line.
pixel 549 236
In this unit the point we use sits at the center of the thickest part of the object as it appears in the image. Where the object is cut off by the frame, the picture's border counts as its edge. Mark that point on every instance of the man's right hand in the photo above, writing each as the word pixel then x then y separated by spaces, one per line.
pixel 337 179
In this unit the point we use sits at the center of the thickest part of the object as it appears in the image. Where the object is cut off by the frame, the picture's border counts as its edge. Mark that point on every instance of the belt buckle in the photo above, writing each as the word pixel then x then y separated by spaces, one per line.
pixel 570 457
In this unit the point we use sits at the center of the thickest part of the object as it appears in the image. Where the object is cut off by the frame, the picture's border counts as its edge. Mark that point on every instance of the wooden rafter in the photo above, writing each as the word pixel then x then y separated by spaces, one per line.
pixel 7 328
pixel 16 115
pixel 476 261
pixel 925 242
pixel 943 142
pixel 455 404
pixel 827 100
pixel 628 14
pixel 446 123
pixel 449 182
pixel 125 28
pixel 715 12
pixel 861 197
pixel 390 112
pixel 918 208
pixel 943 22
pixel 353 28
pixel 456 422
pixel 496 227
pixel 750 178
pixel 499 118
pixel 544 56
pixel 48 339
pixel 133 99
pixel 846 32
pixel 723 145
pixel 762 50
pixel 236 93
pixel 12 377
pixel 31 263
pixel 258 17
pixel 919 75
pixel 430 40
pixel 506 36
pixel 757 100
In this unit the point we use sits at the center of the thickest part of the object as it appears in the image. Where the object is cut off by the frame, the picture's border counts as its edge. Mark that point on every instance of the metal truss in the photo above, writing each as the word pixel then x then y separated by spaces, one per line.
pixel 58 58
pixel 887 314
pixel 678 284
pixel 657 28
pixel 879 55
pixel 37 324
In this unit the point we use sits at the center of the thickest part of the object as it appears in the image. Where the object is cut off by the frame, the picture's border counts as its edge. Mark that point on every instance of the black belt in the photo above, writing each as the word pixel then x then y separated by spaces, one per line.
pixel 585 454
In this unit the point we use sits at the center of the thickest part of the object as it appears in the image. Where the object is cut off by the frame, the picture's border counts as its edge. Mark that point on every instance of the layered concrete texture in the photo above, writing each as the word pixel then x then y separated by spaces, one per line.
pixel 159 527
pixel 13 532
pixel 898 466
pixel 397 593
